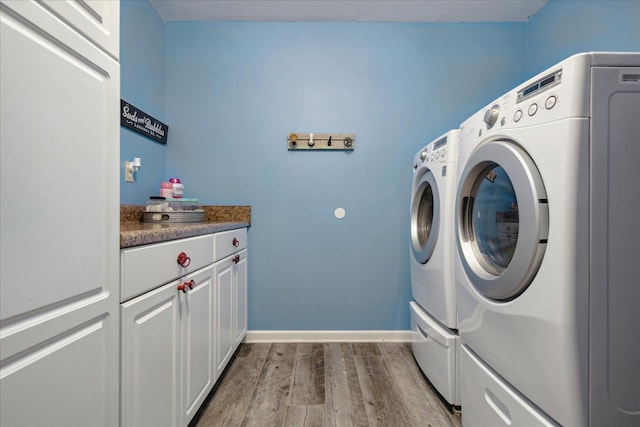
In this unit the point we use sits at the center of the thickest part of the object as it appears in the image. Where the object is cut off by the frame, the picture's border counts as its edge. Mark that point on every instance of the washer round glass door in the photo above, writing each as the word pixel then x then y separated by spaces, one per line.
pixel 502 220
pixel 425 217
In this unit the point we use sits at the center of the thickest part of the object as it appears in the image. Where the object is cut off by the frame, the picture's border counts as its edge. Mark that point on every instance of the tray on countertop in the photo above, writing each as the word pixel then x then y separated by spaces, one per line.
pixel 174 216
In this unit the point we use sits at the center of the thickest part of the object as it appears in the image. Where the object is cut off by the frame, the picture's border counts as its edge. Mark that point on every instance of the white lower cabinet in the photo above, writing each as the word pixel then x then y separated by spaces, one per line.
pixel 224 313
pixel 168 352
pixel 151 336
pixel 179 337
pixel 197 342
pixel 168 344
pixel 240 303
pixel 231 294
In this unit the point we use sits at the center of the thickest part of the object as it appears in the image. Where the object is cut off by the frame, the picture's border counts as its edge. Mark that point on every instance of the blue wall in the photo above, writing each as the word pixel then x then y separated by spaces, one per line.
pixel 233 91
pixel 563 28
pixel 142 84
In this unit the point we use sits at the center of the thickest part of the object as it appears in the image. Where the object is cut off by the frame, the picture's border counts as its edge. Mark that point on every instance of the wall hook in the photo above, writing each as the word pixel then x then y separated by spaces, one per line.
pixel 321 141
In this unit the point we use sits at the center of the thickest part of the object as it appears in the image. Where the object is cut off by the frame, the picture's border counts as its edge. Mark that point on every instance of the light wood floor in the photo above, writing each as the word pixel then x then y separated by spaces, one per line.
pixel 329 385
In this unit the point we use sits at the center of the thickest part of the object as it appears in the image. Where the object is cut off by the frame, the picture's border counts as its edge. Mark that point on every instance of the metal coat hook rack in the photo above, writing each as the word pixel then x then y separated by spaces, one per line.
pixel 321 141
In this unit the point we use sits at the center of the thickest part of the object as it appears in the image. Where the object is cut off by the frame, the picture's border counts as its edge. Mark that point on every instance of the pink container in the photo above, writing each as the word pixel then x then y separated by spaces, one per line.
pixel 166 189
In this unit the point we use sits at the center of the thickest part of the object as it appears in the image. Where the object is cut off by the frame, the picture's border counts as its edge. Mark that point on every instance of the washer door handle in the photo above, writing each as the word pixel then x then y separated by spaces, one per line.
pixel 466 216
pixel 469 218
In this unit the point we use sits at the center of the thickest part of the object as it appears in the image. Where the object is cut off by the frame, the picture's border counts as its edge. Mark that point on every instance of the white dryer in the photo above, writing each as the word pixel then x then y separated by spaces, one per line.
pixel 547 260
pixel 433 314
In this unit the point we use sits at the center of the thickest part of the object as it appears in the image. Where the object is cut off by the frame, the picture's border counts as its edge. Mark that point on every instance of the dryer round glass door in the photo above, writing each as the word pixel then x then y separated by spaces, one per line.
pixel 425 217
pixel 501 220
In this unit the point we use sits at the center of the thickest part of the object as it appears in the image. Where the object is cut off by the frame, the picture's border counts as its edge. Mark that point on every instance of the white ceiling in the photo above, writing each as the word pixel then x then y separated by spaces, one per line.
pixel 348 10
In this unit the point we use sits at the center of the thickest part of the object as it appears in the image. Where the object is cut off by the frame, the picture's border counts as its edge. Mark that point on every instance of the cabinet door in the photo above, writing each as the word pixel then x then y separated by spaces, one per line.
pixel 197 341
pixel 97 20
pixel 59 154
pixel 240 294
pixel 224 274
pixel 151 359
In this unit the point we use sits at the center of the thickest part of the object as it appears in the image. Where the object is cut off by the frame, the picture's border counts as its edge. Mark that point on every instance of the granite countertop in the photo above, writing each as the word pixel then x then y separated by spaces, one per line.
pixel 139 233
pixel 134 232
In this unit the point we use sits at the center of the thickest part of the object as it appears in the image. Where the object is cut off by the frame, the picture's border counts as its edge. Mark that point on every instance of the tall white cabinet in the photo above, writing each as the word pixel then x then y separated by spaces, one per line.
pixel 59 142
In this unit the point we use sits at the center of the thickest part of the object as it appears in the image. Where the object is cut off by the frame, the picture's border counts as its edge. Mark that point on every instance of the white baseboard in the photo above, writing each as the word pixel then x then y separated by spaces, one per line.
pixel 327 336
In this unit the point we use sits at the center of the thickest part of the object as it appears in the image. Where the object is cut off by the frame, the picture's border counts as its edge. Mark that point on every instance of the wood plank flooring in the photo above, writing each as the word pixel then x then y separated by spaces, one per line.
pixel 324 385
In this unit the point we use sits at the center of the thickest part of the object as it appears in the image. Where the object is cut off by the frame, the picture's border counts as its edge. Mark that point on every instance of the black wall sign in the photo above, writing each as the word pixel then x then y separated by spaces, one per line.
pixel 142 122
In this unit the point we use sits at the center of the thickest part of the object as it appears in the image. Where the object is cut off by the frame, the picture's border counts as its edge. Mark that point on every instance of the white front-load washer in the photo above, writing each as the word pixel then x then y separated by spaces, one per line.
pixel 547 261
pixel 433 313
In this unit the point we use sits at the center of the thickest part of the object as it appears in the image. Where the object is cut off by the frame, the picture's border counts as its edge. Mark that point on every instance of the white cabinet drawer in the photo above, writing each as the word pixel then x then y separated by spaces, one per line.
pixel 228 242
pixel 147 267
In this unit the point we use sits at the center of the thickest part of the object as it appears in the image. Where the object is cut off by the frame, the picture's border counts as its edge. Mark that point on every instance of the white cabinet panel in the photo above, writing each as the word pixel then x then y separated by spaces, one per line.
pixel 151 359
pixel 197 342
pixel 58 163
pixel 47 384
pixel 231 306
pixel 224 313
pixel 240 321
pixel 96 20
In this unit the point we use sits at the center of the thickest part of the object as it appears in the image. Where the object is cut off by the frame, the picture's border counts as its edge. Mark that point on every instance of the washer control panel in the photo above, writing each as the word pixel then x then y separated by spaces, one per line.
pixel 438 155
pixel 437 151
pixel 533 108
pixel 533 103
pixel 442 150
